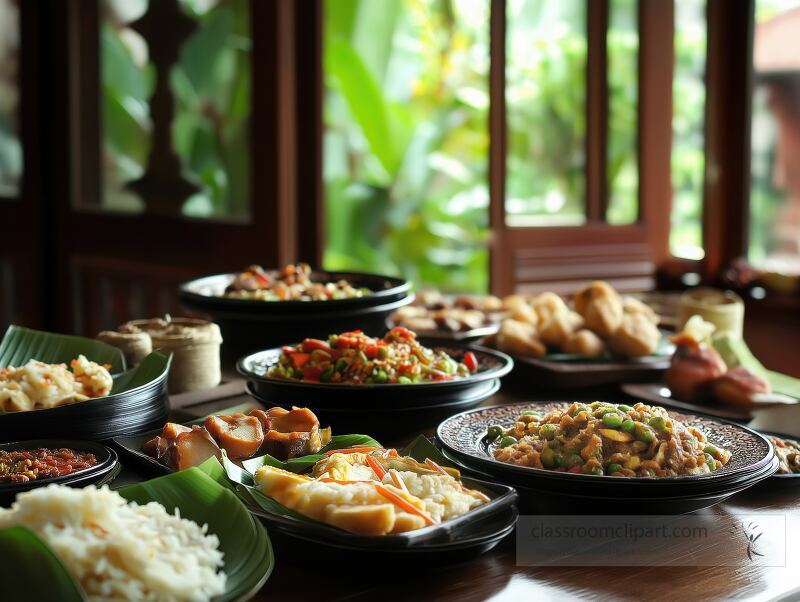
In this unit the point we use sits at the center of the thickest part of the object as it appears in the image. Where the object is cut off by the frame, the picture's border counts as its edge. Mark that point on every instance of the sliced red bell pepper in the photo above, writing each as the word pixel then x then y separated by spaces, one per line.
pixel 299 360
pixel 310 345
pixel 400 331
pixel 470 361
pixel 345 342
pixel 261 278
pixel 287 350
pixel 312 374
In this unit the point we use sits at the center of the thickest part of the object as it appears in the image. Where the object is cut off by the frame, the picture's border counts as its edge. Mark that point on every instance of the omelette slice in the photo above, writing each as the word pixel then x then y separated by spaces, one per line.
pixel 360 507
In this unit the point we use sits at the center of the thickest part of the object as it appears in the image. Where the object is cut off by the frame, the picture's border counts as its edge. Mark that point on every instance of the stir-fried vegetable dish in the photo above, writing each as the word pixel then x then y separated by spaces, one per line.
pixel 292 283
pixel 355 358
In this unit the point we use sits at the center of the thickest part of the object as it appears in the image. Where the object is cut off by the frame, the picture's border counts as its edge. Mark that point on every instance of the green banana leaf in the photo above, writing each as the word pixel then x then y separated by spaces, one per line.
pixel 26 560
pixel 202 494
pixel 151 367
pixel 22 344
pixel 419 449
pixel 303 463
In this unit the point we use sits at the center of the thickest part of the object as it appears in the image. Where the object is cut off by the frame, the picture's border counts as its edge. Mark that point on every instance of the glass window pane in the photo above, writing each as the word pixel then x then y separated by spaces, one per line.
pixel 546 112
pixel 10 147
pixel 211 85
pixel 688 139
pixel 406 139
pixel 775 138
pixel 622 43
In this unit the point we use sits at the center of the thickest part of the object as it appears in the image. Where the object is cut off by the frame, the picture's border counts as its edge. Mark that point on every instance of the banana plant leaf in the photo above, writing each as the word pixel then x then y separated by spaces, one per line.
pixel 303 463
pixel 22 344
pixel 26 560
pixel 202 494
pixel 153 366
pixel 419 449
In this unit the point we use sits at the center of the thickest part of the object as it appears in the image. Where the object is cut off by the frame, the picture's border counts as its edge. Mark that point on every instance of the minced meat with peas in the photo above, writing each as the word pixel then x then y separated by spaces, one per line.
pixel 607 438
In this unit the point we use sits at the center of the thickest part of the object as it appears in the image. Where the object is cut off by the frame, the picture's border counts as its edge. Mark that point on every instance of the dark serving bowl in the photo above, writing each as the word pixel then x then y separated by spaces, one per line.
pixel 207 294
pixel 132 411
pixel 491 366
pixel 104 471
pixel 138 399
pixel 245 329
pixel 463 438
pixel 388 422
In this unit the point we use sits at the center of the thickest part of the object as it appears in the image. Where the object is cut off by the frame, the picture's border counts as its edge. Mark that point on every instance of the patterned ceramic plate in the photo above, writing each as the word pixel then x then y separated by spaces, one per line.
pixel 463 436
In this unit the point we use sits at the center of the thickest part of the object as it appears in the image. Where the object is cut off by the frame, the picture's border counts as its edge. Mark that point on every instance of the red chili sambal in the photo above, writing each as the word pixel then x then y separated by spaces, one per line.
pixel 21 466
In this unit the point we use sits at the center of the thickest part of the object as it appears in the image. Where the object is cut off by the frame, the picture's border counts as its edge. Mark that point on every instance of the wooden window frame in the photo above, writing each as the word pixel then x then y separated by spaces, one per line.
pixel 25 297
pixel 288 191
pixel 558 258
pixel 282 224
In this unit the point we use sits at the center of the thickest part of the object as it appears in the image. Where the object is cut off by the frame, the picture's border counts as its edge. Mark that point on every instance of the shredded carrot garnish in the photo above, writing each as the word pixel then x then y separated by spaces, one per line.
pixel 379 470
pixel 340 482
pixel 361 449
pixel 404 504
pixel 435 466
pixel 390 453
pixel 397 480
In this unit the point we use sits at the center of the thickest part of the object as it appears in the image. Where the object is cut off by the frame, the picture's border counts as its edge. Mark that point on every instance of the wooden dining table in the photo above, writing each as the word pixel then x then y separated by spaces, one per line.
pixel 313 574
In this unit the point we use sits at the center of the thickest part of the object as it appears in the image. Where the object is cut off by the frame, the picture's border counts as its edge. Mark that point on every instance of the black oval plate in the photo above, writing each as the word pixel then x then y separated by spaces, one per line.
pixel 463 437
pixel 453 533
pixel 208 293
pixel 659 393
pixel 492 365
pixel 793 478
pixel 107 461
pixel 569 371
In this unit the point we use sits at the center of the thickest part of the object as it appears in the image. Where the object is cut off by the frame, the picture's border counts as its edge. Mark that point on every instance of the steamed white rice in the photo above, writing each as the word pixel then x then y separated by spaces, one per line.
pixel 119 550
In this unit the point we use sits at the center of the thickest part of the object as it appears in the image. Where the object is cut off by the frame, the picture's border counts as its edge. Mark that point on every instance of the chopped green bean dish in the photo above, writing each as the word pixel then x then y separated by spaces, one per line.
pixel 605 438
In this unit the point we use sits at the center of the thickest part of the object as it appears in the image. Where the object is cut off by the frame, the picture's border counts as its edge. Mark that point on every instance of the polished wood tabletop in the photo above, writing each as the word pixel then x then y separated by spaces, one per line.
pixel 311 574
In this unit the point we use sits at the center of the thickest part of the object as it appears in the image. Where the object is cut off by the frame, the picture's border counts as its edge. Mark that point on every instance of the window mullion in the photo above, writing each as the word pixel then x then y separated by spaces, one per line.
pixel 596 110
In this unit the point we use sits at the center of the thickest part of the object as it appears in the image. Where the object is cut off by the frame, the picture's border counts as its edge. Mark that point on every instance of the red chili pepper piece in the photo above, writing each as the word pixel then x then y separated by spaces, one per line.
pixel 470 361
